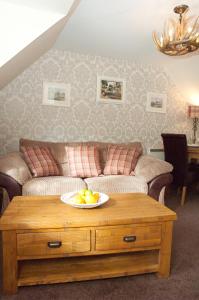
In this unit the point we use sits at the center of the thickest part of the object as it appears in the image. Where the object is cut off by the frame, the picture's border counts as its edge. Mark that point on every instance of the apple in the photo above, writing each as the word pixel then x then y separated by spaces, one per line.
pixel 82 192
pixel 78 199
pixel 88 193
pixel 90 199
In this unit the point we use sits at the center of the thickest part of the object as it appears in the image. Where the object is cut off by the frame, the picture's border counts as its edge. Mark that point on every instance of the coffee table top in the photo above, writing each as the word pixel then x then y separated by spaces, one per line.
pixel 37 212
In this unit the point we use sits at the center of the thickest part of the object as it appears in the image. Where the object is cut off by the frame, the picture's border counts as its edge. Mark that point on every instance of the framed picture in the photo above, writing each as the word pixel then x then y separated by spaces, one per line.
pixel 56 94
pixel 156 102
pixel 110 90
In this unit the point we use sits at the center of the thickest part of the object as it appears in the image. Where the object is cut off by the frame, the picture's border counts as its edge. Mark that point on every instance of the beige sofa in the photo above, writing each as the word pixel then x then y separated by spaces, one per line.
pixel 151 175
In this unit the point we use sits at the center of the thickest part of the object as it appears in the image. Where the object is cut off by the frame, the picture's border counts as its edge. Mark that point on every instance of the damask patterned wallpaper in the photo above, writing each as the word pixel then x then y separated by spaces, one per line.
pixel 23 115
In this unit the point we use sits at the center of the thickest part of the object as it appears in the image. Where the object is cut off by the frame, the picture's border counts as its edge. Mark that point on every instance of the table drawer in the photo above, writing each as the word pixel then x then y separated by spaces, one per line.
pixel 128 237
pixel 70 241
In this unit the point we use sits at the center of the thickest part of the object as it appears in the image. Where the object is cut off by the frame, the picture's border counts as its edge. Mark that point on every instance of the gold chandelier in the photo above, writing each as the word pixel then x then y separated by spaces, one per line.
pixel 179 36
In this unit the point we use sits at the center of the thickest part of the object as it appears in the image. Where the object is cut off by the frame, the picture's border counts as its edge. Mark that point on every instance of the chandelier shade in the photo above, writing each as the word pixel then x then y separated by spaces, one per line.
pixel 180 36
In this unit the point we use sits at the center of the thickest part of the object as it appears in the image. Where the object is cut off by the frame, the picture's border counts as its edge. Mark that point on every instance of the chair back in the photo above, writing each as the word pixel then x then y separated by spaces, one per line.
pixel 175 149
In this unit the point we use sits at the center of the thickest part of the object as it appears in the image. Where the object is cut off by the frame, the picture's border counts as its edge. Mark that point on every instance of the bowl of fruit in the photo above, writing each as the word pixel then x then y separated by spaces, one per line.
pixel 85 198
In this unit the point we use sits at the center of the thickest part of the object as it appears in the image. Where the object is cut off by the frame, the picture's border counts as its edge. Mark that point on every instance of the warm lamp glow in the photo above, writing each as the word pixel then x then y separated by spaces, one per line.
pixel 195 99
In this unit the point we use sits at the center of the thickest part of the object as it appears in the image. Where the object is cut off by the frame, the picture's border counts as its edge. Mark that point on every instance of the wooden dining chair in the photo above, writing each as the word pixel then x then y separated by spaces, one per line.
pixel 175 149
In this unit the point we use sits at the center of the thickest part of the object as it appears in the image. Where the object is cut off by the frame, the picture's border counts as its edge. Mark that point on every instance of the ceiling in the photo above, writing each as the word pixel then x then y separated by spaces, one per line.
pixel 59 6
pixel 118 28
pixel 123 29
pixel 28 29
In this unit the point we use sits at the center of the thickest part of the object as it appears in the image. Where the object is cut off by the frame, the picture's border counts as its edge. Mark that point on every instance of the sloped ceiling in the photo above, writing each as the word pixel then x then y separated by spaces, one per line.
pixel 59 6
pixel 28 29
pixel 113 28
pixel 123 28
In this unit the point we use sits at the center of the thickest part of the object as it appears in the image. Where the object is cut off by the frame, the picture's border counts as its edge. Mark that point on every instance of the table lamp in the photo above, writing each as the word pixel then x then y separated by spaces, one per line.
pixel 193 113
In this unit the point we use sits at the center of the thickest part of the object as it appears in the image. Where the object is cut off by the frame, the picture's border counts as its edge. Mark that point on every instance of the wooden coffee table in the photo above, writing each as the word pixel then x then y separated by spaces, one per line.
pixel 46 241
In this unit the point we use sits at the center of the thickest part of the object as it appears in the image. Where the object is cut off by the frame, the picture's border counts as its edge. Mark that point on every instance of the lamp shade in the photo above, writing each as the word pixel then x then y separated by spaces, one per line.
pixel 193 111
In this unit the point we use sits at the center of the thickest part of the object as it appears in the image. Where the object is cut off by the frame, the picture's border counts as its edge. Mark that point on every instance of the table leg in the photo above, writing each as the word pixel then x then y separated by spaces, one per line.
pixel 165 250
pixel 9 262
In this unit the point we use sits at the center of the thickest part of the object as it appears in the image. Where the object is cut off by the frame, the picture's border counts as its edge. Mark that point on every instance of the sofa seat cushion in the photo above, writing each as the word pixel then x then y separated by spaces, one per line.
pixel 117 184
pixel 52 185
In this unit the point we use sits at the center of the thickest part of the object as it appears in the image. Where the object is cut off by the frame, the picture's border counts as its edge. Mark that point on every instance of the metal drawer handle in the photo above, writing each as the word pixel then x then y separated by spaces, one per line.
pixel 54 244
pixel 129 238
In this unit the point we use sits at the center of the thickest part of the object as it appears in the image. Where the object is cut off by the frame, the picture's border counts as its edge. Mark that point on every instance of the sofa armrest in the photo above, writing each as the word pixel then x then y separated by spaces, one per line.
pixel 12 187
pixel 158 184
pixel 14 166
pixel 150 167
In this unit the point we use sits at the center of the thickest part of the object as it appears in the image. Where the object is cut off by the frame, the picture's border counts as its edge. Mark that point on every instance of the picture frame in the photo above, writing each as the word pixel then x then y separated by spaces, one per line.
pixel 110 90
pixel 156 102
pixel 56 94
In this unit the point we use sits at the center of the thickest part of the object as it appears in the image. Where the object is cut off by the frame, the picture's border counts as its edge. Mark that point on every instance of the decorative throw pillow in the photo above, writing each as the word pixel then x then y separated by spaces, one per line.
pixel 121 160
pixel 83 161
pixel 40 161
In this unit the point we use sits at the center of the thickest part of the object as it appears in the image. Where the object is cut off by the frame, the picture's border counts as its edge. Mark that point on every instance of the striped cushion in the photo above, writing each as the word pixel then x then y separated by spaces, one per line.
pixel 53 185
pixel 83 161
pixel 40 161
pixel 117 184
pixel 121 160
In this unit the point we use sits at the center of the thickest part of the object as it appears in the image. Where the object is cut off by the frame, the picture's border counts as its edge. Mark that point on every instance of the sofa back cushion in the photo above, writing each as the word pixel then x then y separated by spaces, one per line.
pixel 58 150
pixel 83 161
pixel 40 161
pixel 121 160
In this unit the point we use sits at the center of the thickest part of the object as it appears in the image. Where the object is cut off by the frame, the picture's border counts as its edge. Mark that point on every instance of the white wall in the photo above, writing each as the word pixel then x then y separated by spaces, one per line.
pixel 184 72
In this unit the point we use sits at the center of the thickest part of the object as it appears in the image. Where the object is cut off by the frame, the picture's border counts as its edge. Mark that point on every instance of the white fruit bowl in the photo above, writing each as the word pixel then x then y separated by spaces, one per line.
pixel 68 199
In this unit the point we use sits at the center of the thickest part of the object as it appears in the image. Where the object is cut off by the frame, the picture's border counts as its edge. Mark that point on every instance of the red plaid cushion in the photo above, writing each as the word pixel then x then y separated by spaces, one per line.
pixel 40 161
pixel 121 160
pixel 83 161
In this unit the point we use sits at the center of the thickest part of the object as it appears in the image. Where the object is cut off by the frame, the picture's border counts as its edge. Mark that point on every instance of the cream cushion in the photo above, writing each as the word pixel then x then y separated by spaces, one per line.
pixel 52 185
pixel 117 184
